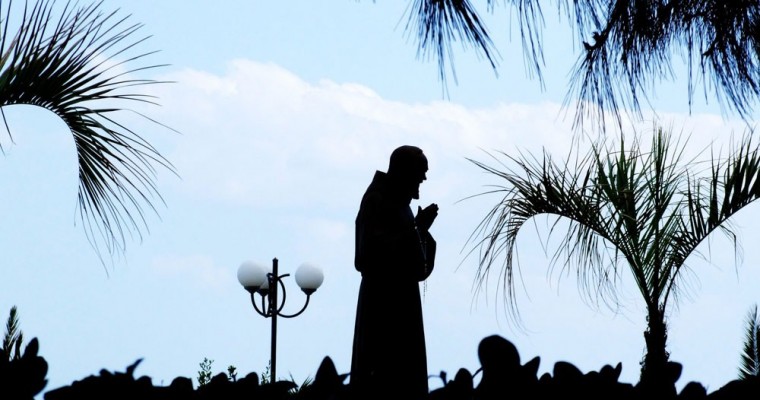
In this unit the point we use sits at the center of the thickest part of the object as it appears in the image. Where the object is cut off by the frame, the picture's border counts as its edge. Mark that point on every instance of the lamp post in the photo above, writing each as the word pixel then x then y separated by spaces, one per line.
pixel 256 278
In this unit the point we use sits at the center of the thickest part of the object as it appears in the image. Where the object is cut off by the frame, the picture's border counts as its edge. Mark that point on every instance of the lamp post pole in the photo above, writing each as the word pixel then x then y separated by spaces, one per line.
pixel 274 280
pixel 255 279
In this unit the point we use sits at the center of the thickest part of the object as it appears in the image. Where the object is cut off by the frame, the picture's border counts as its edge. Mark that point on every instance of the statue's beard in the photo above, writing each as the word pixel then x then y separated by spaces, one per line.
pixel 411 190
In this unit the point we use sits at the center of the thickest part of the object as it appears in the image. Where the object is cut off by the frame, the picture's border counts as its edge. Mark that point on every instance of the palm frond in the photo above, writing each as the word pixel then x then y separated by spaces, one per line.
pixel 750 358
pixel 78 65
pixel 536 187
pixel 733 184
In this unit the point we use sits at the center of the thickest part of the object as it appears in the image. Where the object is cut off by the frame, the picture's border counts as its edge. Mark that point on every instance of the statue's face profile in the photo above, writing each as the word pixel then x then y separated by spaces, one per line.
pixel 414 176
pixel 409 167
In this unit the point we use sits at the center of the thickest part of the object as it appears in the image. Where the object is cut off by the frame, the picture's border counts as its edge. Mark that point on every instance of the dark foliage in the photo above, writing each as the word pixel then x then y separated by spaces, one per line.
pixel 23 377
pixel 13 337
pixel 750 359
pixel 626 48
pixel 503 376
pixel 124 385
pixel 22 374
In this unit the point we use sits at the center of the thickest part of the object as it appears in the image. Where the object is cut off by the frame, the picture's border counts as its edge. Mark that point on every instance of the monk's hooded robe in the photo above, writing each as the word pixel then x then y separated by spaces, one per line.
pixel 393 256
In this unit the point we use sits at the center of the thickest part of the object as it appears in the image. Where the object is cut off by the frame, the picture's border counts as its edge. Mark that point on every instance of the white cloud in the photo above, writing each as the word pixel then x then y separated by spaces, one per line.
pixel 259 134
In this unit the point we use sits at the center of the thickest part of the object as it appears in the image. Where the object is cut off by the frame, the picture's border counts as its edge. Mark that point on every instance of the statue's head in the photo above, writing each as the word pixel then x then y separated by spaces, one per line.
pixel 408 167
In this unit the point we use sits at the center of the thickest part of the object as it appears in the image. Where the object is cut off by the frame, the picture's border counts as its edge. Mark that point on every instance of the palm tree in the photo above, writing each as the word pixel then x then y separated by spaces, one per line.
pixel 627 47
pixel 646 210
pixel 80 65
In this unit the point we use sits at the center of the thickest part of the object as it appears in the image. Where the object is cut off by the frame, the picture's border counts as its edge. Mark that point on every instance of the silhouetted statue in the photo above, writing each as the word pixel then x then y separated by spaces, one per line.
pixel 394 252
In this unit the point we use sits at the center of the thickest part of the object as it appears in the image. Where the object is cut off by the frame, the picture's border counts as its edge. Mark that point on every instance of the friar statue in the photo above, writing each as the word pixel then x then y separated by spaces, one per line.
pixel 394 252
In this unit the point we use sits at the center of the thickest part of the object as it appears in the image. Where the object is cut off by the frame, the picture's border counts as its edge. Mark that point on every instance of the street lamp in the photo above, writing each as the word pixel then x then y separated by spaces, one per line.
pixel 256 278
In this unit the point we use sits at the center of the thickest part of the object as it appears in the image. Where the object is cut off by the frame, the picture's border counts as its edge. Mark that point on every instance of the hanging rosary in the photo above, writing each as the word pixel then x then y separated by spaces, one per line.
pixel 423 247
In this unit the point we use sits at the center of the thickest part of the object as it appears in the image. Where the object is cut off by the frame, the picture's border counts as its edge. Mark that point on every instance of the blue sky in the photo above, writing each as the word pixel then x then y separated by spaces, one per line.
pixel 285 110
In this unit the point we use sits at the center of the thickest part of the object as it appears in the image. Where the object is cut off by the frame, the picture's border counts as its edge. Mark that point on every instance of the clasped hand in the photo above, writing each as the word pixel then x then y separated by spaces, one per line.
pixel 426 216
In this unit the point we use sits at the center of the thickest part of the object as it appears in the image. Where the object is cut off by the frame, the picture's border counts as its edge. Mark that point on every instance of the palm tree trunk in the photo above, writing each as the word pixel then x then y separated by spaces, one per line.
pixel 654 371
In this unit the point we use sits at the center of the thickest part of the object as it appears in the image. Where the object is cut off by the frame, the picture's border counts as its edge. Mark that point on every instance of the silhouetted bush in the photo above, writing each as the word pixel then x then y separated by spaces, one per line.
pixel 22 377
pixel 123 385
pixel 502 376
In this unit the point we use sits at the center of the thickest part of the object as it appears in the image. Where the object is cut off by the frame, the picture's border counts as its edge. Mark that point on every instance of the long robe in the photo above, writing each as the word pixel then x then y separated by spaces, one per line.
pixel 389 355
